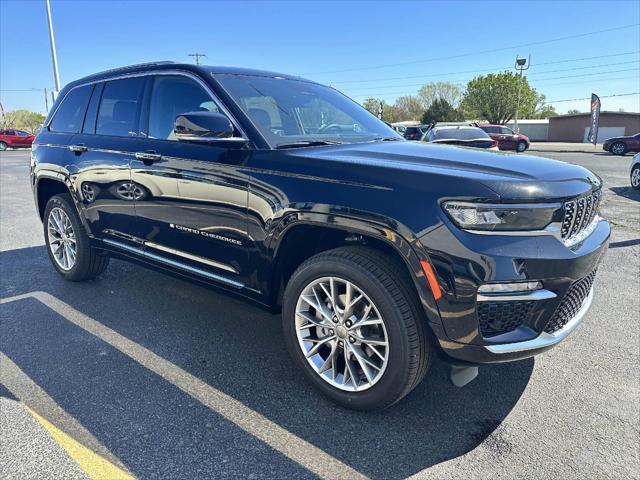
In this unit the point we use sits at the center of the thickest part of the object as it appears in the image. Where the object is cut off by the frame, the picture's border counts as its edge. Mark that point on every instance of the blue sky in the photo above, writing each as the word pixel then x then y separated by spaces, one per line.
pixel 381 49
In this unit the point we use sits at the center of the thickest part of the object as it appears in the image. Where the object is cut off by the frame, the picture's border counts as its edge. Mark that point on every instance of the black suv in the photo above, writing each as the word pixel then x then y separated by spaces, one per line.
pixel 378 251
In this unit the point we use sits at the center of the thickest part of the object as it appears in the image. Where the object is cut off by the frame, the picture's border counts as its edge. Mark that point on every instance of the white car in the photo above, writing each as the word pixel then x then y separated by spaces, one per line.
pixel 635 171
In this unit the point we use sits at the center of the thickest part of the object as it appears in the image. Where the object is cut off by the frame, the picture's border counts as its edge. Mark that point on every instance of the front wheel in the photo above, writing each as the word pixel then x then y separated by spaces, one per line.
pixel 3 146
pixel 521 147
pixel 354 325
pixel 68 244
pixel 618 148
pixel 635 177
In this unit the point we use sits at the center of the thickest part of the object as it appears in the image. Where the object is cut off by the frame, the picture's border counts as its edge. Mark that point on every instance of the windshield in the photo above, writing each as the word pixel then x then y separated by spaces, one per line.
pixel 458 134
pixel 297 113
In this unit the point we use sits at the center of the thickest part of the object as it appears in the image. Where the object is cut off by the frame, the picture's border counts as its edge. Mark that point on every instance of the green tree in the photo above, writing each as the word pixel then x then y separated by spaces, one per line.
pixel 493 97
pixel 442 111
pixel 573 111
pixel 22 120
pixel 448 91
pixel 388 111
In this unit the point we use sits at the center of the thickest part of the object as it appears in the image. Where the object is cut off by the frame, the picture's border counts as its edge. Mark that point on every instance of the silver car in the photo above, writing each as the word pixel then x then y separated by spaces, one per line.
pixel 635 171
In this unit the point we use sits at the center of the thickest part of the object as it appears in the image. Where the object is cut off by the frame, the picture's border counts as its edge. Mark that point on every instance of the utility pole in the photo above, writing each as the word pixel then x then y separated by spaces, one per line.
pixel 54 56
pixel 46 101
pixel 197 56
pixel 520 65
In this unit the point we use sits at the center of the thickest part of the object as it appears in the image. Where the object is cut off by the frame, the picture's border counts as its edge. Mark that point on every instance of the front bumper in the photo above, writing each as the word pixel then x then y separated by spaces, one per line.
pixel 472 260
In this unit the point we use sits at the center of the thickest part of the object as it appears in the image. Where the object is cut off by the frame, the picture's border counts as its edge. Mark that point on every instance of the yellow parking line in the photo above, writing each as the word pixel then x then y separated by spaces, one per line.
pixel 96 467
pixel 280 439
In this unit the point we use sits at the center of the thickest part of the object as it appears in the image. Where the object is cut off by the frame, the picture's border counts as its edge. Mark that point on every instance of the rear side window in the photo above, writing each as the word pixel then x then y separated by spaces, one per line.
pixel 70 114
pixel 120 107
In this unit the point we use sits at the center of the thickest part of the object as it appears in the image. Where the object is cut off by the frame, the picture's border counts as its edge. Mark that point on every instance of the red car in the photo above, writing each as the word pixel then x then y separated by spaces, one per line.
pixel 507 138
pixel 15 139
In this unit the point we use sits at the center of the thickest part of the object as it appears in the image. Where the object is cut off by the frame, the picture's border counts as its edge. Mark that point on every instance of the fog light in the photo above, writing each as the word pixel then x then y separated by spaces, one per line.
pixel 509 287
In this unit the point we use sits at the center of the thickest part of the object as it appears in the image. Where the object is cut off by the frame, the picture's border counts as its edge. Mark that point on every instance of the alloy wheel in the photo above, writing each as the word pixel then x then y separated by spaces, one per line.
pixel 341 334
pixel 62 239
pixel 617 148
pixel 635 177
pixel 130 191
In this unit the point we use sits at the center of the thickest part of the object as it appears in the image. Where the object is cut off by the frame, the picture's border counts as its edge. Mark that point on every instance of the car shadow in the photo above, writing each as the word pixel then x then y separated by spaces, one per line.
pixel 626 192
pixel 156 429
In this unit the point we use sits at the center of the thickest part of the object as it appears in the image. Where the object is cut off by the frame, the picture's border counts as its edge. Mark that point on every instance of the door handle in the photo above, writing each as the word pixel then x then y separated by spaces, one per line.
pixel 148 156
pixel 78 148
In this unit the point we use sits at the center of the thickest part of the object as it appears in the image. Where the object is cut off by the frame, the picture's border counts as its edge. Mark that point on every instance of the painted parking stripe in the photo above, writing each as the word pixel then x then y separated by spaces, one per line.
pixel 295 448
pixel 96 467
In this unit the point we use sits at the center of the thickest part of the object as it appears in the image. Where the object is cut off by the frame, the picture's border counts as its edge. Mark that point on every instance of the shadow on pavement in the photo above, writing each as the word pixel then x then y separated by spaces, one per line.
pixel 626 192
pixel 157 430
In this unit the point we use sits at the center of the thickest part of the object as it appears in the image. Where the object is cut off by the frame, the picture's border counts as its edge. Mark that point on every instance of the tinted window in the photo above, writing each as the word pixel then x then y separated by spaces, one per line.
pixel 69 117
pixel 506 131
pixel 22 134
pixel 120 107
pixel 171 96
pixel 459 133
pixel 92 111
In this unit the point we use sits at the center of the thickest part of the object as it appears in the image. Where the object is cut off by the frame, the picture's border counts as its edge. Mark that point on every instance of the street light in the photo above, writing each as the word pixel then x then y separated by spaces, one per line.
pixel 54 56
pixel 520 65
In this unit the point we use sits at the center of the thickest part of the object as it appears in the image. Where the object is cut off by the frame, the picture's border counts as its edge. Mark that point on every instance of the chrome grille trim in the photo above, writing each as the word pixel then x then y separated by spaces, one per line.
pixel 580 215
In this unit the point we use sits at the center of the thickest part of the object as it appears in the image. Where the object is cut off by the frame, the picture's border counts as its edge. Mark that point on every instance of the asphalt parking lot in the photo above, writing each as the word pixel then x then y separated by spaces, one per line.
pixel 139 374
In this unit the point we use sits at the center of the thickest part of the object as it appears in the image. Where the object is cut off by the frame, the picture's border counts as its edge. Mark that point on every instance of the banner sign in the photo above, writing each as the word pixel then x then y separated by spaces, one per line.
pixel 595 118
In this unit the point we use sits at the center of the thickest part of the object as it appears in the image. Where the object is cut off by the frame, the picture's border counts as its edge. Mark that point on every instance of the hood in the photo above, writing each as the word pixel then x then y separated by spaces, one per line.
pixel 615 139
pixel 513 177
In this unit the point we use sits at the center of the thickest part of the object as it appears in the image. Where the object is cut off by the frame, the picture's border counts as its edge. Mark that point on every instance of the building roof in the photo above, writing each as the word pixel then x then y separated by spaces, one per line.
pixel 602 112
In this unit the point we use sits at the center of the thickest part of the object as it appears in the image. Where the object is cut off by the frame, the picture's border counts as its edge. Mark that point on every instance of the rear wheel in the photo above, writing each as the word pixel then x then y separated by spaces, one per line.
pixel 68 245
pixel 354 325
pixel 635 177
pixel 522 146
pixel 618 148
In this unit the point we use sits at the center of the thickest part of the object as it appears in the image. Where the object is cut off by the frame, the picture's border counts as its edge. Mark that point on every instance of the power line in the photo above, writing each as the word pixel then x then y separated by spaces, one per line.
pixel 405 77
pixel 589 98
pixel 456 82
pixel 479 52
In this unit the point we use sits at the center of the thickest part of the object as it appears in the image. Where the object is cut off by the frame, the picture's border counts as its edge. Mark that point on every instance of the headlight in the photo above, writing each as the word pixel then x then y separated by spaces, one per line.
pixel 503 217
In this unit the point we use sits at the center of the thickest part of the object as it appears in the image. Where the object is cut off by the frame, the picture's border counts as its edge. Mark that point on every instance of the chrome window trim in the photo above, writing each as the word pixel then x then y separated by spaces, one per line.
pixel 545 339
pixel 183 73
pixel 541 294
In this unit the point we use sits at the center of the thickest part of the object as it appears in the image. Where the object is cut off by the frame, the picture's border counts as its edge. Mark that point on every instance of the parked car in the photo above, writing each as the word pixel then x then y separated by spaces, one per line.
pixel 507 138
pixel 377 251
pixel 11 138
pixel 635 171
pixel 414 133
pixel 464 136
pixel 622 145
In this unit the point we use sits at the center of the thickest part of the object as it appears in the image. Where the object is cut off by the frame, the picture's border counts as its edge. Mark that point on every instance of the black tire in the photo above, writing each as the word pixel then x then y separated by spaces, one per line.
pixel 618 148
pixel 635 172
pixel 88 263
pixel 3 146
pixel 521 146
pixel 385 283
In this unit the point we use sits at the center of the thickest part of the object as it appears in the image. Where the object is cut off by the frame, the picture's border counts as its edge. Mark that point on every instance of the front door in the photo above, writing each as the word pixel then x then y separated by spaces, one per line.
pixel 193 209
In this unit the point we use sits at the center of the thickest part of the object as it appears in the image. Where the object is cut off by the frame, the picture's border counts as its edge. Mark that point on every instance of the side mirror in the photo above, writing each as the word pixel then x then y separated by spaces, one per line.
pixel 205 127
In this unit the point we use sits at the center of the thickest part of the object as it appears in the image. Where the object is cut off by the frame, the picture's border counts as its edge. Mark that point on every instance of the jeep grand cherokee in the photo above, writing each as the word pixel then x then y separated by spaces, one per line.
pixel 377 251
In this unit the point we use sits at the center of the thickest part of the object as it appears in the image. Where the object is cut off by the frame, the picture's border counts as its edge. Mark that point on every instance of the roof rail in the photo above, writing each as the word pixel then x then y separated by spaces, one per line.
pixel 148 64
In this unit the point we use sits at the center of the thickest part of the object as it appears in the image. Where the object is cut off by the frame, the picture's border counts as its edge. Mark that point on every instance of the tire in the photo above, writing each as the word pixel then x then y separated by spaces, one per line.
pixel 87 263
pixel 383 284
pixel 635 177
pixel 618 148
pixel 521 146
pixel 3 146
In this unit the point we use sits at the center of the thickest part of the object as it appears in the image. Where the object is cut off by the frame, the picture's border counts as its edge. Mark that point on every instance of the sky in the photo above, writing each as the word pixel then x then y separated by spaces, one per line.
pixel 364 48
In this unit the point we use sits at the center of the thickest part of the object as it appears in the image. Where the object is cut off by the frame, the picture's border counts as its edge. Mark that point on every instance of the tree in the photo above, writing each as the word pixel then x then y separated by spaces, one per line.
pixel 389 113
pixel 22 120
pixel 408 108
pixel 494 96
pixel 448 91
pixel 573 111
pixel 442 111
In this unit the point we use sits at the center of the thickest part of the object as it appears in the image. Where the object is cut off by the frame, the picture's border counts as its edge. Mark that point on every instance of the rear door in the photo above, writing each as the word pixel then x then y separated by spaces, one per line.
pixel 193 207
pixel 104 150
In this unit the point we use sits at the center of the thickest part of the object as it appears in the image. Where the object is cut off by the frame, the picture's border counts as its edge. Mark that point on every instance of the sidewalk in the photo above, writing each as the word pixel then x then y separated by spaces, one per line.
pixel 564 147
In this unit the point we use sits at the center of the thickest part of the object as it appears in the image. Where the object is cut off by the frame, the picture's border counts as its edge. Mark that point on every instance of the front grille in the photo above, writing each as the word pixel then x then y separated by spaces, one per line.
pixel 502 317
pixel 571 303
pixel 578 214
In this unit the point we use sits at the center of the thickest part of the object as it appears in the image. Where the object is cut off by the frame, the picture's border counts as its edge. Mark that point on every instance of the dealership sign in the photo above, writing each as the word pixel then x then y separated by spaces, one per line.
pixel 595 118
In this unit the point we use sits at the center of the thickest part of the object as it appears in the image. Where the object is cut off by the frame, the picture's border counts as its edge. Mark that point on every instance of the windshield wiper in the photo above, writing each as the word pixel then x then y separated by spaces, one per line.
pixel 386 139
pixel 308 143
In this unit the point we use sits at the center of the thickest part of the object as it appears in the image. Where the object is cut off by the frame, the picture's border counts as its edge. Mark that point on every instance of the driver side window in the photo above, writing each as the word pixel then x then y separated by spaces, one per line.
pixel 172 95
